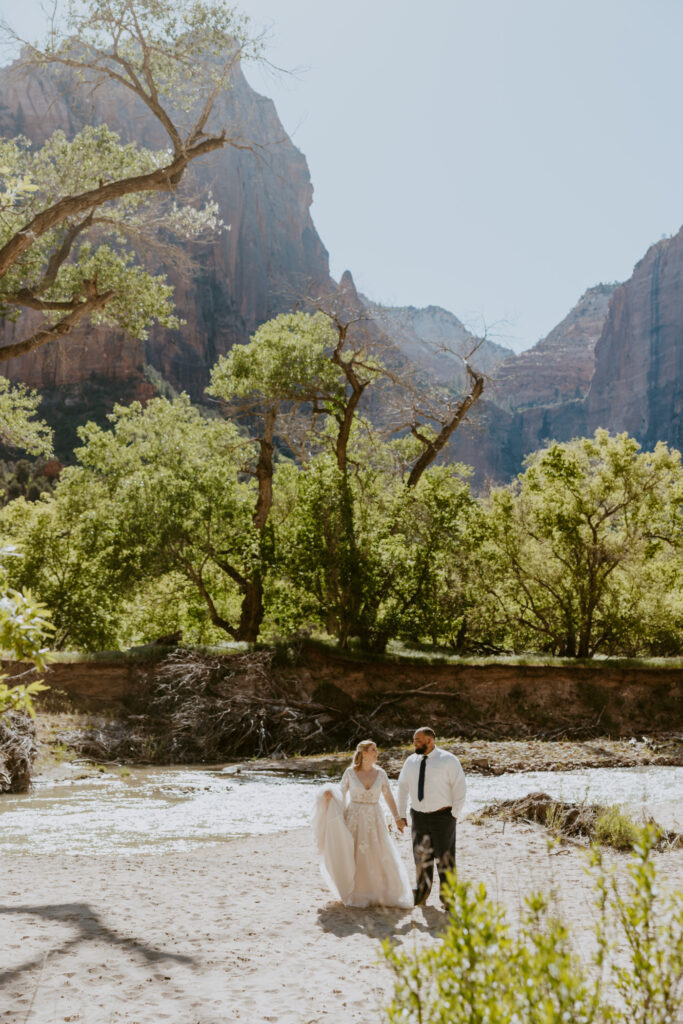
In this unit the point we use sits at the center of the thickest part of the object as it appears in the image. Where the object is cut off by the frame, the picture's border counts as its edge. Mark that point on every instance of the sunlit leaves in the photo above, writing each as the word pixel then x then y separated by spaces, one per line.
pixel 582 543
pixel 287 359
pixel 159 493
pixel 62 167
pixel 482 971
pixel 24 630
pixel 134 38
pixel 19 427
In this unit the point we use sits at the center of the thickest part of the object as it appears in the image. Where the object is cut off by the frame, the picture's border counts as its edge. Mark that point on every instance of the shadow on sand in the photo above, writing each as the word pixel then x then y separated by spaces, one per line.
pixel 89 927
pixel 380 922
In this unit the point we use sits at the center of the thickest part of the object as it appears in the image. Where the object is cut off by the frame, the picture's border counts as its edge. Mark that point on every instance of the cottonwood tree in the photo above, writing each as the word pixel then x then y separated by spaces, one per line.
pixel 71 210
pixel 368 362
pixel 19 425
pixel 283 367
pixel 369 587
pixel 161 492
pixel 303 381
pixel 583 544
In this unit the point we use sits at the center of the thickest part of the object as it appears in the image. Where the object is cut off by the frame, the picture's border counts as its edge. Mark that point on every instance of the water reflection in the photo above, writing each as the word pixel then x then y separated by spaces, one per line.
pixel 175 808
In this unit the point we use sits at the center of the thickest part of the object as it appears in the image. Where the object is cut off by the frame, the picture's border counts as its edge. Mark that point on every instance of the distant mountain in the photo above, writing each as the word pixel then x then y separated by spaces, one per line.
pixel 615 360
pixel 638 381
pixel 559 368
pixel 436 341
pixel 631 335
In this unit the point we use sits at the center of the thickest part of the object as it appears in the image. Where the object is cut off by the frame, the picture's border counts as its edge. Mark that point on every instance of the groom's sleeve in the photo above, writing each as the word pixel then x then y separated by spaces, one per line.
pixel 402 802
pixel 458 787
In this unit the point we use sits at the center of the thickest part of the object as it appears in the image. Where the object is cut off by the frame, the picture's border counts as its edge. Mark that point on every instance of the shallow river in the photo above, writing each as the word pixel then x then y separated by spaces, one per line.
pixel 176 808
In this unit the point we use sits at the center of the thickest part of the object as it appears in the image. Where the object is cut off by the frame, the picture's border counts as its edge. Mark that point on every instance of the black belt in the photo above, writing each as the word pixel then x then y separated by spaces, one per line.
pixel 439 810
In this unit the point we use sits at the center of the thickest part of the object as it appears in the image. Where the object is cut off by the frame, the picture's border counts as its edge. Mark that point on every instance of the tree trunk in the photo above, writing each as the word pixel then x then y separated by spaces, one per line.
pixel 252 611
pixel 432 448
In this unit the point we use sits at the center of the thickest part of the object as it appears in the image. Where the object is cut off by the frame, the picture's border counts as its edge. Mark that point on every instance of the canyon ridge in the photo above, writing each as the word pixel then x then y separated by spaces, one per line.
pixel 615 360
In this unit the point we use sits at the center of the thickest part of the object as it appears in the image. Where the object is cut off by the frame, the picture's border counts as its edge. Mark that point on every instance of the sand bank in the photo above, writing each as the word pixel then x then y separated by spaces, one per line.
pixel 242 931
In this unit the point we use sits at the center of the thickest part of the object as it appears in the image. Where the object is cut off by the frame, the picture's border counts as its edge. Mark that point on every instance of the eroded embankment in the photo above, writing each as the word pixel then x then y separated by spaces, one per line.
pixel 186 706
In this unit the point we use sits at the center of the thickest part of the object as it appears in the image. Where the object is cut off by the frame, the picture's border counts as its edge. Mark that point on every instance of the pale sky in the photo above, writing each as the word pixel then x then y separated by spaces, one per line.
pixel 494 157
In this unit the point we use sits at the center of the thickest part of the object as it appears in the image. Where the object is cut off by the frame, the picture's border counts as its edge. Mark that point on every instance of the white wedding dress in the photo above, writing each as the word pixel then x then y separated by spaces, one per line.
pixel 359 859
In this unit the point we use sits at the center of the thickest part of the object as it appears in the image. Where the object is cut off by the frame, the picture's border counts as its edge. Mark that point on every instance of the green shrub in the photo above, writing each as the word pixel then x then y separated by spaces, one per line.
pixel 482 971
pixel 614 828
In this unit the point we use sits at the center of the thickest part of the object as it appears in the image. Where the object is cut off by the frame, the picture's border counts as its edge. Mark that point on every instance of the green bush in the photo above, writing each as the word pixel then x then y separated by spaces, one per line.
pixel 482 971
pixel 614 828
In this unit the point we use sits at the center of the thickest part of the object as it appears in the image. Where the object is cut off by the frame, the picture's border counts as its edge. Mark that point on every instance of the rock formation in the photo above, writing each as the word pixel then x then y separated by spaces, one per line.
pixel 536 395
pixel 638 381
pixel 616 360
pixel 435 341
pixel 268 258
pixel 558 368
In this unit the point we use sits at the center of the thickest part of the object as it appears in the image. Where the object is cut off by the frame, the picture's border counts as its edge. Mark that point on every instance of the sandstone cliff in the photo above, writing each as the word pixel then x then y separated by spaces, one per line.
pixel 260 266
pixel 558 368
pixel 638 381
pixel 535 396
pixel 616 360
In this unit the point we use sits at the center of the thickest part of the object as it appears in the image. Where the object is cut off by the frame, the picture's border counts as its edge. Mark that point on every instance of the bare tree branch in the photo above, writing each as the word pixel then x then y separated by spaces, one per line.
pixel 62 327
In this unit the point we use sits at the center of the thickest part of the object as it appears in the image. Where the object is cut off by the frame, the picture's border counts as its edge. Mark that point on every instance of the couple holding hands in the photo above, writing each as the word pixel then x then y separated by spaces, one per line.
pixel 359 859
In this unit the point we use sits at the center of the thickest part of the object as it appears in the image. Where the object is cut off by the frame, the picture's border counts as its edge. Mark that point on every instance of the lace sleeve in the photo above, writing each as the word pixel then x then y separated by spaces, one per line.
pixel 388 795
pixel 345 783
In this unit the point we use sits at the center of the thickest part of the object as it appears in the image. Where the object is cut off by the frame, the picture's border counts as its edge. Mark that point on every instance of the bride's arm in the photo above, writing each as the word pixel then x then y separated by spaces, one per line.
pixel 388 795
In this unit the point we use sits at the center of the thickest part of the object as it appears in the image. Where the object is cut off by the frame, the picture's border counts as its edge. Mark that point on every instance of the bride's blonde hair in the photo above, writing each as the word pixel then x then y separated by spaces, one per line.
pixel 358 756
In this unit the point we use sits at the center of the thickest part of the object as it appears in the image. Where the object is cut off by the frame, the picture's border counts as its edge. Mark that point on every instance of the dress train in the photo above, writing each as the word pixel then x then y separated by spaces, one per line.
pixel 358 858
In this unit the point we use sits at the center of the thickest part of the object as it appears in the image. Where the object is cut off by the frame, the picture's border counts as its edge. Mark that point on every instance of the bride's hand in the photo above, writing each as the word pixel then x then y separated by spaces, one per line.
pixel 328 795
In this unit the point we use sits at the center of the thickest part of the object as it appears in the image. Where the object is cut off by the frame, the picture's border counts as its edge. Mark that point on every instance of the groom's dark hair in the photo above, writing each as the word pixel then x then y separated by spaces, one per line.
pixel 427 731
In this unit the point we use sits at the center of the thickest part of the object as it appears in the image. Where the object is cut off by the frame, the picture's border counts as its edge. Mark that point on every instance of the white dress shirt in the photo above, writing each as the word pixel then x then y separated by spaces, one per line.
pixel 445 784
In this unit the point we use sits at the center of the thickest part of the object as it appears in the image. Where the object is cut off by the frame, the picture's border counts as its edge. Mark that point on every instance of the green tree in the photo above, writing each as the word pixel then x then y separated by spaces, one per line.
pixel 582 541
pixel 395 577
pixel 160 493
pixel 19 427
pixel 72 212
pixel 66 558
pixel 24 629
pixel 303 382
pixel 284 366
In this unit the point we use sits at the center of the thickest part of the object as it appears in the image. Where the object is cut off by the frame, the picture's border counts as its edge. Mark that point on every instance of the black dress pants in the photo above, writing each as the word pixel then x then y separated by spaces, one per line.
pixel 433 840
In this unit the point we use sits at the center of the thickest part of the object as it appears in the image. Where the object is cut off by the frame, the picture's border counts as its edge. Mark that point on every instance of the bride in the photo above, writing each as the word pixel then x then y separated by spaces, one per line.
pixel 359 859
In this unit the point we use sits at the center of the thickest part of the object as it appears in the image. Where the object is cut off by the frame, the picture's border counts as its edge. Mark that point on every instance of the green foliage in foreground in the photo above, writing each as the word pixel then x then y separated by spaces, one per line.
pixel 24 629
pixel 482 971
pixel 24 622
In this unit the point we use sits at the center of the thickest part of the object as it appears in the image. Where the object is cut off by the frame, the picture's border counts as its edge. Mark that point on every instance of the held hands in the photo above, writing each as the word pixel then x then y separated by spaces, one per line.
pixel 401 823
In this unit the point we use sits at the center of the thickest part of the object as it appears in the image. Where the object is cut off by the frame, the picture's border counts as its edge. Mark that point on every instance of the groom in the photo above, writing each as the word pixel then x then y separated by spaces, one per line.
pixel 435 782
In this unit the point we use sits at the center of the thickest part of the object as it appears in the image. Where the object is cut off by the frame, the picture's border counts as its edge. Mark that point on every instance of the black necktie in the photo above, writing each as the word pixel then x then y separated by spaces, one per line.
pixel 421 779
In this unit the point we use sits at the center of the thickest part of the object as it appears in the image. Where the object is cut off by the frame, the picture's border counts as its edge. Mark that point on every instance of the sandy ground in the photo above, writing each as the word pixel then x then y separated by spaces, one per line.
pixel 243 931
